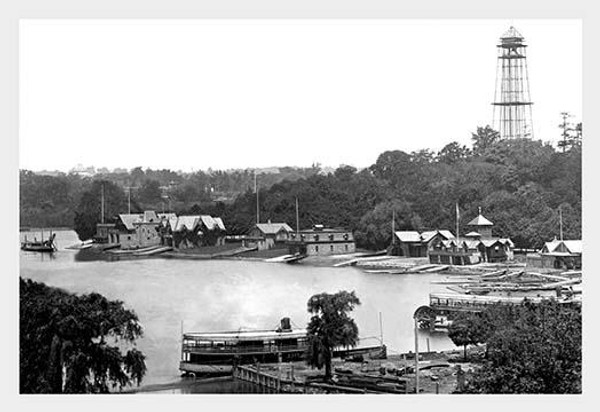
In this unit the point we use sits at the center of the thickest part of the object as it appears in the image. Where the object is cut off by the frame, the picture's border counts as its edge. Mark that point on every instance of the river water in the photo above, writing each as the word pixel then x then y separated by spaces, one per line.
pixel 169 295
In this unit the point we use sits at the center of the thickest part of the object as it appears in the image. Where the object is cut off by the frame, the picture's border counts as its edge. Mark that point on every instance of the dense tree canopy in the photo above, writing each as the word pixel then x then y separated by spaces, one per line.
pixel 74 344
pixel 532 348
pixel 330 327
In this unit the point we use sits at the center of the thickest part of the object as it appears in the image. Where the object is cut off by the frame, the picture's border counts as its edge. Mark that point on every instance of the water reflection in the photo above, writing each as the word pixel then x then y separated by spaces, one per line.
pixel 40 256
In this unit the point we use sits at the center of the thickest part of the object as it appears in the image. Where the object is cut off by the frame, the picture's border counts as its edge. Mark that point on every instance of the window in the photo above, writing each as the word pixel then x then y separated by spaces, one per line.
pixel 316 237
pixel 317 248
pixel 331 248
pixel 346 246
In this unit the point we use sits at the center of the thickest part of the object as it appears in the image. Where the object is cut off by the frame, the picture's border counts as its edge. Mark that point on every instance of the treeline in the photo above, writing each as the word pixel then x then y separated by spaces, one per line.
pixel 522 185
pixel 53 201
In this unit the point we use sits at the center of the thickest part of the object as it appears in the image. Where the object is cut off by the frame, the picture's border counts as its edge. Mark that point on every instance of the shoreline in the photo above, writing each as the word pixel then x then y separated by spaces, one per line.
pixel 437 372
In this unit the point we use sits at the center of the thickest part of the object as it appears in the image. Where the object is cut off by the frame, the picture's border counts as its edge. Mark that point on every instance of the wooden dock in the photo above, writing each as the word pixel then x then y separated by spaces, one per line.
pixel 254 375
pixel 279 384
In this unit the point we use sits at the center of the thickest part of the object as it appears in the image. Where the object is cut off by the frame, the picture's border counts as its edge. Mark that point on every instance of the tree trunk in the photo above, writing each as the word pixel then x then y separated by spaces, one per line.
pixel 327 356
pixel 54 373
pixel 465 353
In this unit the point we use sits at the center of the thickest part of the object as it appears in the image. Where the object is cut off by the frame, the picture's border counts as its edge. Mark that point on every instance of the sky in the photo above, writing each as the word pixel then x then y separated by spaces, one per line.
pixel 196 94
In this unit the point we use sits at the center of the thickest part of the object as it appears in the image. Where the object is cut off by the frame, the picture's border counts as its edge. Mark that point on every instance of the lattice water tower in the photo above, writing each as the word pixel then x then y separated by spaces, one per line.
pixel 512 101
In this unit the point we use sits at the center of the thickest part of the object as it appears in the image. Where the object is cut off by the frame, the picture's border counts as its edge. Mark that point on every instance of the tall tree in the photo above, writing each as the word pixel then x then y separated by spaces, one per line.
pixel 89 209
pixel 375 228
pixel 330 327
pixel 74 344
pixel 453 152
pixel 468 329
pixel 484 138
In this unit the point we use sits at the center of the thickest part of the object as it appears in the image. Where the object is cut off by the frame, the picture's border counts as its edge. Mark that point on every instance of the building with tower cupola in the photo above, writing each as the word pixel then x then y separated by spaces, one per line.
pixel 478 245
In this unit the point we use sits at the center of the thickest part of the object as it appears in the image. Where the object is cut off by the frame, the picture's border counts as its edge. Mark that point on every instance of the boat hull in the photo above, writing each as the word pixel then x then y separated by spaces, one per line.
pixel 223 363
pixel 43 249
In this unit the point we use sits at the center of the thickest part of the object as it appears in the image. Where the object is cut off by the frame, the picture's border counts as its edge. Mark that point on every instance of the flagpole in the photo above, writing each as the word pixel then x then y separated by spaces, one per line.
pixel 561 223
pixel 393 225
pixel 457 219
pixel 297 218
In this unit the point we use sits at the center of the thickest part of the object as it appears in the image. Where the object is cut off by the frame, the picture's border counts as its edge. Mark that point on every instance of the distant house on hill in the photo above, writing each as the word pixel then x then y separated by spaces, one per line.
pixel 562 254
pixel 321 241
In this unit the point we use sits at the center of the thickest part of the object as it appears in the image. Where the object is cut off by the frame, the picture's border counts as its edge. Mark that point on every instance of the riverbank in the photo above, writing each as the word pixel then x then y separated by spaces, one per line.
pixel 439 373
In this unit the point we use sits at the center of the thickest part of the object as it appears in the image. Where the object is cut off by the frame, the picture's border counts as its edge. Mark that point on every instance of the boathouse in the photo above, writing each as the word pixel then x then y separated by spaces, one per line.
pixel 184 232
pixel 562 254
pixel 414 244
pixel 279 232
pixel 455 252
pixel 131 231
pixel 139 230
pixel 321 241
pixel 477 246
pixel 267 235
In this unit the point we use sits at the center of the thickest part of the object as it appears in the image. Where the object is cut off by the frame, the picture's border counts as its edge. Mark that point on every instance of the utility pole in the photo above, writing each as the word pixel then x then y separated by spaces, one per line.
pixel 102 207
pixel 129 197
pixel 257 202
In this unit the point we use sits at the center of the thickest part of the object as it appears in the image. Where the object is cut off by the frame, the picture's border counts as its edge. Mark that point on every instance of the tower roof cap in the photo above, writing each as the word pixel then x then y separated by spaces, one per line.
pixel 511 35
pixel 480 221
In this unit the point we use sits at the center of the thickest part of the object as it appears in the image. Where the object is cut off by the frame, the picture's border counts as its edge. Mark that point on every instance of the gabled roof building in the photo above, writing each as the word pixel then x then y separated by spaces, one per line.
pixel 562 254
pixel 411 243
pixel 478 246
